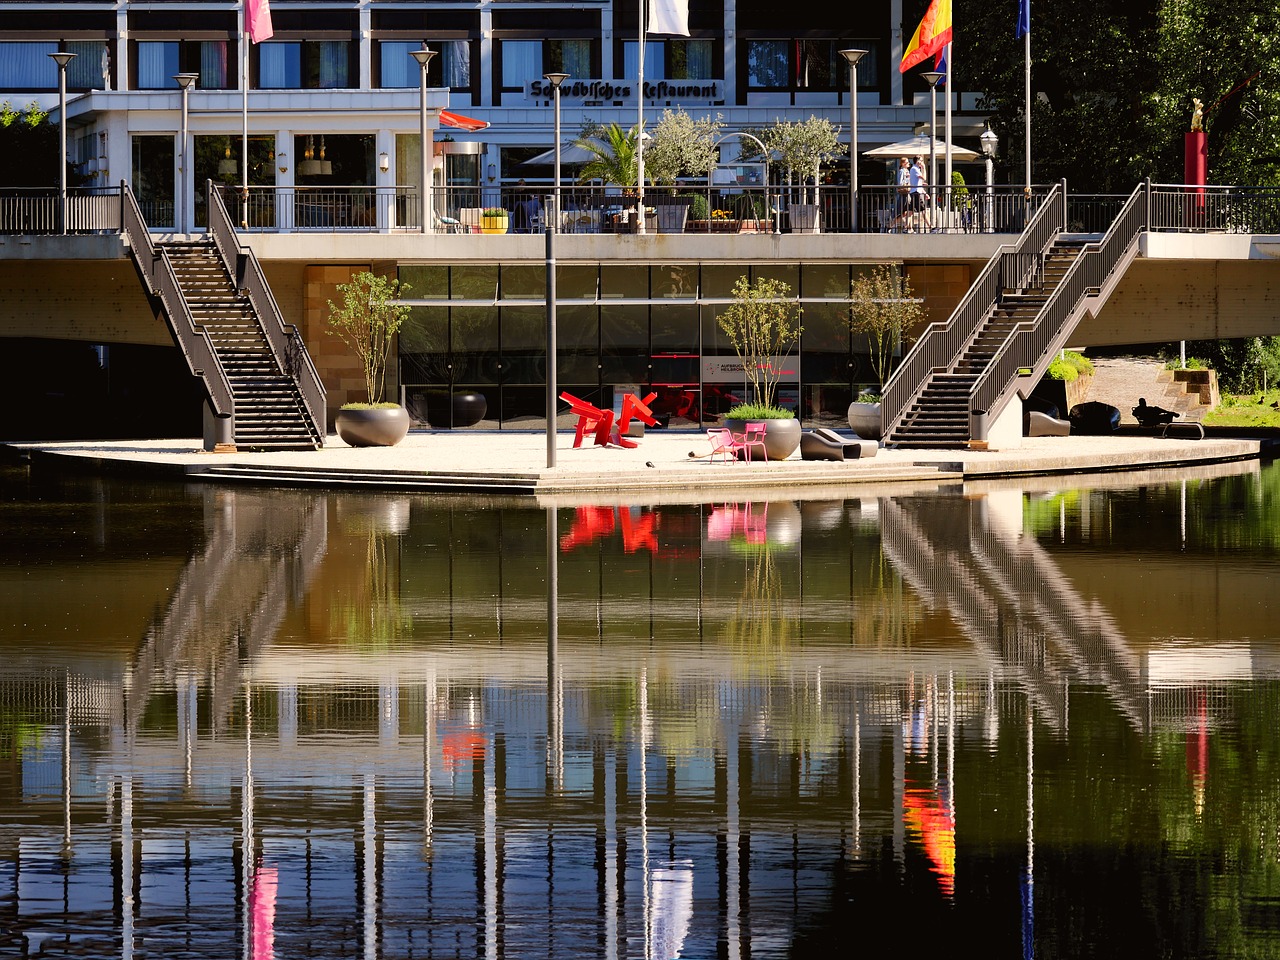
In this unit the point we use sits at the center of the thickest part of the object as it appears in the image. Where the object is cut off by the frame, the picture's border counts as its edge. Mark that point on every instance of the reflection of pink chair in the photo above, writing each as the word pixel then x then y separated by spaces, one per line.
pixel 751 436
pixel 721 439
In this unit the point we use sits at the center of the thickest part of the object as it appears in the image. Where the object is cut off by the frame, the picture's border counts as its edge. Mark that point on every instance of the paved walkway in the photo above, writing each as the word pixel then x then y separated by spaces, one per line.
pixel 660 468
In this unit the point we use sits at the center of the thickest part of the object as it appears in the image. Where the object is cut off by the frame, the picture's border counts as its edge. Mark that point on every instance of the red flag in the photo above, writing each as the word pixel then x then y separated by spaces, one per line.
pixel 930 37
pixel 258 14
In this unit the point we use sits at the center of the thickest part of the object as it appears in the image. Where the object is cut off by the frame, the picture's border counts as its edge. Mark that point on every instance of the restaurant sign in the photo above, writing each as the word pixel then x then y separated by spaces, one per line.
pixel 622 91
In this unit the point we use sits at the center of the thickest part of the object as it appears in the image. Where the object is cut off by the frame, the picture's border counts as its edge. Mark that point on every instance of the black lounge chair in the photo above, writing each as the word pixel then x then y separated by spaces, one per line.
pixel 823 444
pixel 1153 416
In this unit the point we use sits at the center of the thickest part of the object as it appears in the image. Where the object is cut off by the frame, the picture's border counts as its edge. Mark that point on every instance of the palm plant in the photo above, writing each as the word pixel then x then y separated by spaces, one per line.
pixel 613 155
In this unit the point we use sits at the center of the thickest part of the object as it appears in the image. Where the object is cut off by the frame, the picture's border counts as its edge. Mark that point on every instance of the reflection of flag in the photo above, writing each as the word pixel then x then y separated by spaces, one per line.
pixel 930 37
pixel 259 20
pixel 928 817
pixel 669 16
pixel 1024 18
pixel 262 911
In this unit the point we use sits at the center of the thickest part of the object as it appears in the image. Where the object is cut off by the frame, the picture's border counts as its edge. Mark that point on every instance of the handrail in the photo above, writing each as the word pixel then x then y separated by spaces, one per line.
pixel 942 343
pixel 284 340
pixel 1028 350
pixel 162 283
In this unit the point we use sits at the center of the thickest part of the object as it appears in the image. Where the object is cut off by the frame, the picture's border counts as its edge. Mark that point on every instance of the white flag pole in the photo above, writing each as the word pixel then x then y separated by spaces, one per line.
pixel 946 192
pixel 640 127
pixel 1027 58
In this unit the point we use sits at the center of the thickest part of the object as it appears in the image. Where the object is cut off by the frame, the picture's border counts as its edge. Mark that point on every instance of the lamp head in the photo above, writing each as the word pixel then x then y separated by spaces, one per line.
pixel 186 80
pixel 933 78
pixel 990 142
pixel 555 79
pixel 423 57
pixel 853 56
pixel 384 162
pixel 62 59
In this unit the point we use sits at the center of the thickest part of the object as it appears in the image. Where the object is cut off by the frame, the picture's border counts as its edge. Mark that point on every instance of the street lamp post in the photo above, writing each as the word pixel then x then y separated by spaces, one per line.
pixel 62 59
pixel 550 227
pixel 423 57
pixel 851 58
pixel 186 81
pixel 933 78
pixel 990 144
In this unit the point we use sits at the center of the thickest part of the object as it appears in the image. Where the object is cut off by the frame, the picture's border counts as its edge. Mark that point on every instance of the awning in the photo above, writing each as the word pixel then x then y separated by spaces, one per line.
pixel 450 119
pixel 919 147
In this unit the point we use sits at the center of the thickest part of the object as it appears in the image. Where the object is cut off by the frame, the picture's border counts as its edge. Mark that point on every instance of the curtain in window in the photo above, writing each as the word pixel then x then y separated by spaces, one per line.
pixel 213 64
pixel 398 68
pixel 279 66
pixel 455 56
pixel 654 68
pixel 26 66
pixel 157 63
pixel 521 61
pixel 690 59
pixel 91 68
pixel 576 55
pixel 333 64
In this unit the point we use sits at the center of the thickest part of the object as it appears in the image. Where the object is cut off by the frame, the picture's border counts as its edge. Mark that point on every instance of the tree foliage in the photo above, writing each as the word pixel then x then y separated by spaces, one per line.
pixel 881 307
pixel 804 146
pixel 1112 91
pixel 613 154
pixel 367 321
pixel 29 148
pixel 682 146
pixel 763 325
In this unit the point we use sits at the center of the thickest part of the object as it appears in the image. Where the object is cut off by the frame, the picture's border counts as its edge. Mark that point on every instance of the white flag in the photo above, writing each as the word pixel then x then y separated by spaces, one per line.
pixel 669 16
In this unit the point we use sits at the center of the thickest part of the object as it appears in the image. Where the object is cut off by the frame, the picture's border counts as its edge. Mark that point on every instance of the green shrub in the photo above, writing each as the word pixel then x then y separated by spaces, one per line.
pixel 758 411
pixel 1062 370
pixel 698 207
pixel 1193 363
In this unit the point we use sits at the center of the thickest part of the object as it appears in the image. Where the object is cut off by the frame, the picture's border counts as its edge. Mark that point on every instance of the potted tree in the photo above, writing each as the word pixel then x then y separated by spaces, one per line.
pixel 763 325
pixel 367 321
pixel 881 308
pixel 802 148
pixel 681 146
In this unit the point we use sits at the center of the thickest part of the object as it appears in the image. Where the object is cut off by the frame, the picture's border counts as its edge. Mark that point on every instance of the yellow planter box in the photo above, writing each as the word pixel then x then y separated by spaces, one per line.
pixel 490 224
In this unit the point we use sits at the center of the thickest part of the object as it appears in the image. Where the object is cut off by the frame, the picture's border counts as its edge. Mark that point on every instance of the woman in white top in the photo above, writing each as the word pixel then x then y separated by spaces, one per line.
pixel 920 191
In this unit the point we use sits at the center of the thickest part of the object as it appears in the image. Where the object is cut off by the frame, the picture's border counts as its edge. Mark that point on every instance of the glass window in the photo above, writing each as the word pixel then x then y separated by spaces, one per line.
pixel 621 280
pixel 768 64
pixel 426 281
pixel 524 282
pixel 521 61
pixel 280 66
pixel 455 63
pixel 479 282
pixel 26 66
pixel 570 56
pixel 576 282
pixel 675 329
pixel 213 65
pixel 91 69
pixel 153 178
pixel 157 64
pixel 825 280
pixel 399 69
pixel 690 60
pixel 653 59
pixel 678 280
pixel 331 61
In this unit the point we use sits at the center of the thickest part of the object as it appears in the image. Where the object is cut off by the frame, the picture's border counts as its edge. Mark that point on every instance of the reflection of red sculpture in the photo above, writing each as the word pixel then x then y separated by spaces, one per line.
pixel 639 533
pixel 593 420
pixel 461 745
pixel 928 819
pixel 589 523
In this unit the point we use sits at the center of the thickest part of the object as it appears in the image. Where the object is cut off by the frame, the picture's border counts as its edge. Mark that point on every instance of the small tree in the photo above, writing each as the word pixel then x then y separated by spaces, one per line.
pixel 763 325
pixel 881 306
pixel 368 321
pixel 803 147
pixel 681 146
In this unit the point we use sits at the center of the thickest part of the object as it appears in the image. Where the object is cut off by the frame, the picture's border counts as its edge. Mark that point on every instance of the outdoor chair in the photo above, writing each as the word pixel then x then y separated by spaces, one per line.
pixel 721 439
pixel 824 444
pixel 752 436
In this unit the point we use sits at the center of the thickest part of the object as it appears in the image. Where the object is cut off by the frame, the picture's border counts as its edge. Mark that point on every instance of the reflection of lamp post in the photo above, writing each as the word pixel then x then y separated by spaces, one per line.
pixel 423 57
pixel 933 78
pixel 555 79
pixel 185 81
pixel 851 58
pixel 990 144
pixel 62 59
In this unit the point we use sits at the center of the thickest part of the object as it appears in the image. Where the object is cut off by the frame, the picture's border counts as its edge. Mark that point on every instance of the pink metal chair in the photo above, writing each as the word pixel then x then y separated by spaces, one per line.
pixel 721 439
pixel 752 436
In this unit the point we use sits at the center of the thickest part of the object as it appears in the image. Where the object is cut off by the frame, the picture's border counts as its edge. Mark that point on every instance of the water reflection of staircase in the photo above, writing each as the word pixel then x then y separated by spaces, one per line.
pixel 230 599
pixel 1011 599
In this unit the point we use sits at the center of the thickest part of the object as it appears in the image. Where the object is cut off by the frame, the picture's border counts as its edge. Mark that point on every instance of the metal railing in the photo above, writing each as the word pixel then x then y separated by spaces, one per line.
pixel 285 340
pixel 941 344
pixel 161 282
pixel 35 211
pixel 1030 346
pixel 1215 209
pixel 301 209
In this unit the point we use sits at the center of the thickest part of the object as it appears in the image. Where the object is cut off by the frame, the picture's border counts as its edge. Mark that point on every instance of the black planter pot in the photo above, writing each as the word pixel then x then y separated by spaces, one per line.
pixel 458 408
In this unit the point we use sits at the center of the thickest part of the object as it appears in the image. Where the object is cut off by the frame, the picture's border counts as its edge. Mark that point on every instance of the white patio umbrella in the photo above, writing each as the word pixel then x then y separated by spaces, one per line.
pixel 919 147
pixel 570 154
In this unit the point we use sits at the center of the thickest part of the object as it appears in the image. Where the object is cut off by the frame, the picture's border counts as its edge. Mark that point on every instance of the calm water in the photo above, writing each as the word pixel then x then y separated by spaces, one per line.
pixel 1009 721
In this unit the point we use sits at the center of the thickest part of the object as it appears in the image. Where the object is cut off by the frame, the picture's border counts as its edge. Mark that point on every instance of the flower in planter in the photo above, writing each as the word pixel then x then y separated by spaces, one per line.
pixel 495 212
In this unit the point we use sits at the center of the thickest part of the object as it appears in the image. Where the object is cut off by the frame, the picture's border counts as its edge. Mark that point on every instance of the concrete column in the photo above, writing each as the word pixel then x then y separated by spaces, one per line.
pixel 366 48
pixel 286 159
pixel 487 79
pixel 731 51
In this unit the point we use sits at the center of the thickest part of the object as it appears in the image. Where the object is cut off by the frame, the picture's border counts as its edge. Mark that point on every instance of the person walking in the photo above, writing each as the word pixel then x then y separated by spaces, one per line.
pixel 902 203
pixel 920 192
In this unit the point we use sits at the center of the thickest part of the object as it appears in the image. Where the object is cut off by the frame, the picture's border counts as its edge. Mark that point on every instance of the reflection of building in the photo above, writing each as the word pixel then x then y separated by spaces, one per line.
pixel 411 792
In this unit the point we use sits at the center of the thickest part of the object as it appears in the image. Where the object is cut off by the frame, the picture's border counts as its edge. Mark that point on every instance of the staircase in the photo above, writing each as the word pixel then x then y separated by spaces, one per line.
pixel 262 390
pixel 269 414
pixel 939 417
pixel 961 375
